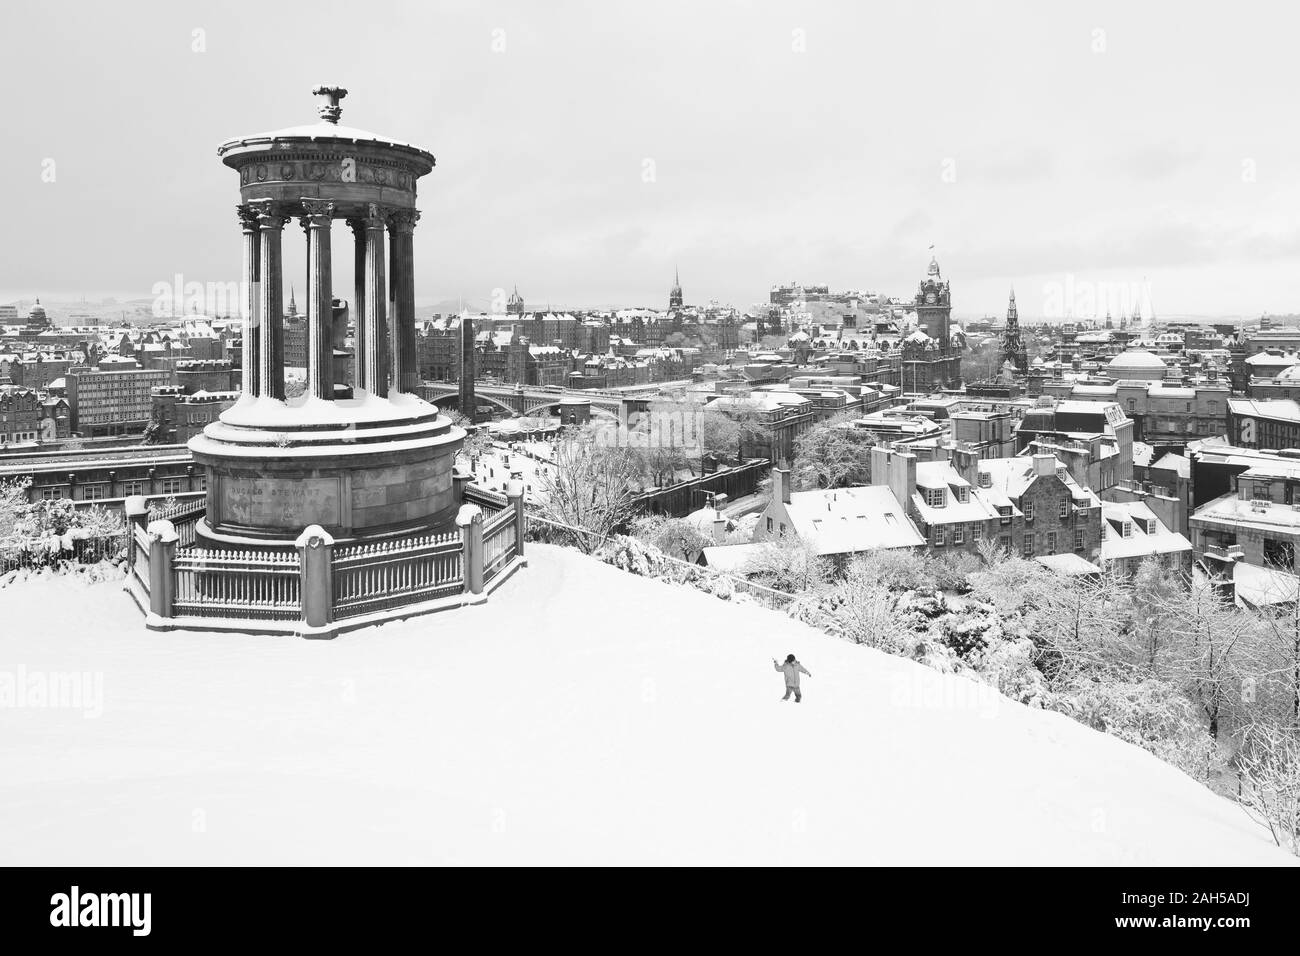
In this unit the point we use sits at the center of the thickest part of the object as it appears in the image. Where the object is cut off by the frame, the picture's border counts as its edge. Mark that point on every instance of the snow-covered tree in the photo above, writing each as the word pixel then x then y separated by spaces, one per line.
pixel 1269 762
pixel 590 487
pixel 831 454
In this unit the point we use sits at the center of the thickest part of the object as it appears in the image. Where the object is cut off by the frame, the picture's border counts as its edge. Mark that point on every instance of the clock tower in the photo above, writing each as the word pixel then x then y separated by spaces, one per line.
pixel 933 304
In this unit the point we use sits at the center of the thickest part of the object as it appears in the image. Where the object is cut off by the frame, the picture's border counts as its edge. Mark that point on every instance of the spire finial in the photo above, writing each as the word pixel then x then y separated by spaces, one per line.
pixel 329 110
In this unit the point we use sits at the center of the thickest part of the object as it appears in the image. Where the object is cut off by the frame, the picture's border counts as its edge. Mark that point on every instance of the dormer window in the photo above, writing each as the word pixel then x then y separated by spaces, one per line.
pixel 934 497
pixel 1128 529
pixel 986 480
pixel 1151 526
pixel 962 493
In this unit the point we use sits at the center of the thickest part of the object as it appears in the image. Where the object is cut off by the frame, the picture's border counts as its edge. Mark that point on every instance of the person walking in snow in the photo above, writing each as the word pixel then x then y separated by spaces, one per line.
pixel 791 669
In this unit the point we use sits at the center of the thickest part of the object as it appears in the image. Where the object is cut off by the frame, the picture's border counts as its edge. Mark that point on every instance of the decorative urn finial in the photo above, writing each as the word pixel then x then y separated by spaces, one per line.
pixel 329 110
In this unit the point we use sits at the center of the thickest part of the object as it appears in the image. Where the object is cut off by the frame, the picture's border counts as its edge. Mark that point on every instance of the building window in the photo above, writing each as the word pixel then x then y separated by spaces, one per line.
pixel 173 486
pixel 1050 543
pixel 93 492
pixel 1065 508
pixel 783 529
pixel 1078 539
pixel 1004 512
pixel 959 534
pixel 939 541
pixel 1027 545
pixel 51 494
pixel 769 525
pixel 1127 529
pixel 1028 508
pixel 1278 553
pixel 976 532
pixel 934 497
pixel 130 488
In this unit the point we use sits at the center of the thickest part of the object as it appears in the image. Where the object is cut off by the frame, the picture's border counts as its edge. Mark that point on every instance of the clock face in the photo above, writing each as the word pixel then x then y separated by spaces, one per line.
pixel 929 297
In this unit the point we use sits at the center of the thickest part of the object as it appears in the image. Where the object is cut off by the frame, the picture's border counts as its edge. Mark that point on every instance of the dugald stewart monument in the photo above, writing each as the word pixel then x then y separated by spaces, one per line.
pixel 340 502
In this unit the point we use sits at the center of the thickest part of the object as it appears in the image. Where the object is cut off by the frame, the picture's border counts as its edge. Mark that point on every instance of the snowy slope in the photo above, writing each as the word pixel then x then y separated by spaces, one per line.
pixel 582 716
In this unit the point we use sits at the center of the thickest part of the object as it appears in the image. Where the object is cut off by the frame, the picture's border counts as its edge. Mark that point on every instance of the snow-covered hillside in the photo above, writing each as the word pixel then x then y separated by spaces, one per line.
pixel 583 715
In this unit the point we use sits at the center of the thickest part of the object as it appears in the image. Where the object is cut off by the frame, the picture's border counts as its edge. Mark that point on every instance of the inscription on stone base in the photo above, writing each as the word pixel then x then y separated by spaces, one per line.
pixel 281 502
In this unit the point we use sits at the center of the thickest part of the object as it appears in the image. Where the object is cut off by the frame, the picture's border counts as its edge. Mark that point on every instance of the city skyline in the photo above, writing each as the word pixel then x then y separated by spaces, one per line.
pixel 574 162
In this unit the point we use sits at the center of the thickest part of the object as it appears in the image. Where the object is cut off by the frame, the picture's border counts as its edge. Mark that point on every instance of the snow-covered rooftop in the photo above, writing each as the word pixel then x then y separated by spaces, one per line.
pixel 847 520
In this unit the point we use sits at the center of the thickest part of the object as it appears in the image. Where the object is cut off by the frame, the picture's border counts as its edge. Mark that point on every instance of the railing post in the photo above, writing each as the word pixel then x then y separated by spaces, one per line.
pixel 136 509
pixel 316 576
pixel 515 495
pixel 470 521
pixel 460 478
pixel 162 580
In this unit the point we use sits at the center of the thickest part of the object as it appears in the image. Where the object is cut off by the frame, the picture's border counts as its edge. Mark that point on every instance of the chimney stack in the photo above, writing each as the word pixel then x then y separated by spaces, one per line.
pixel 1044 465
pixel 781 484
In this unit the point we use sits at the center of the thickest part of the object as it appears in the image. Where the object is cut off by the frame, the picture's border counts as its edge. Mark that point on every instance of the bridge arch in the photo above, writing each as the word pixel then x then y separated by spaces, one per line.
pixel 452 400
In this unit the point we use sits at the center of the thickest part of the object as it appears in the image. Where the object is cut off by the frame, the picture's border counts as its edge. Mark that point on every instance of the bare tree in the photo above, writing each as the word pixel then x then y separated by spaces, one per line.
pixel 831 455
pixel 590 488
pixel 1212 650
pixel 478 442
pixel 788 565
pixel 1280 644
pixel 1269 761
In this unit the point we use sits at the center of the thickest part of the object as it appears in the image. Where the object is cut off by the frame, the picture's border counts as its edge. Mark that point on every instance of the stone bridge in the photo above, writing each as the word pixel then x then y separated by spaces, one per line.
pixel 527 400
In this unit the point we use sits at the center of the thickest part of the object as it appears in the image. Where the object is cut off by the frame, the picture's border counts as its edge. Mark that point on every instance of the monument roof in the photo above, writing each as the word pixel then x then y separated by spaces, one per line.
pixel 326 131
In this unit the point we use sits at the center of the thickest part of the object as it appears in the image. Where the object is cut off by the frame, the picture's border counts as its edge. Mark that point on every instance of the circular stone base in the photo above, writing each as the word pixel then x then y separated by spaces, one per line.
pixel 360 468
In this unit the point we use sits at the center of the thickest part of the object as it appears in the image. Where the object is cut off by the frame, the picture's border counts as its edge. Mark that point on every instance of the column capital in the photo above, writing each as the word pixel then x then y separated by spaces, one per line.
pixel 318 212
pixel 403 220
pixel 269 213
pixel 247 216
pixel 376 216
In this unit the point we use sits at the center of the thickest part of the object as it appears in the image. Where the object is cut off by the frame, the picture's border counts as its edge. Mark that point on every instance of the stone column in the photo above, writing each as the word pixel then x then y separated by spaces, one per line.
pixel 271 331
pixel 358 228
pixel 320 299
pixel 252 276
pixel 376 345
pixel 406 363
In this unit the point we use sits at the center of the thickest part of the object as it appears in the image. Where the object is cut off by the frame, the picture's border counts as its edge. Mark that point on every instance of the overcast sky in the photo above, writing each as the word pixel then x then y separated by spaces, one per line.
pixel 1047 145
